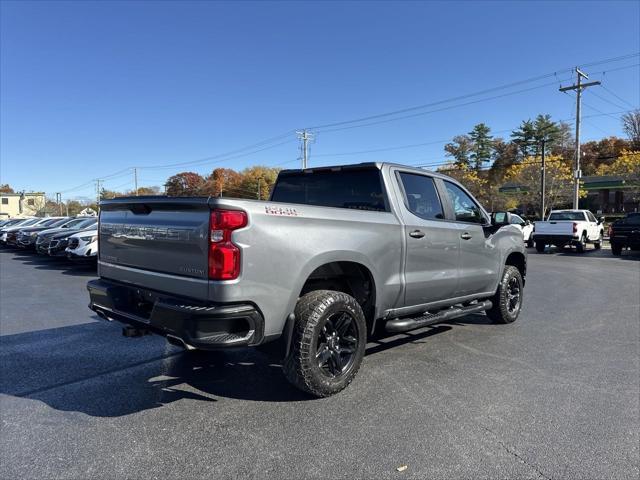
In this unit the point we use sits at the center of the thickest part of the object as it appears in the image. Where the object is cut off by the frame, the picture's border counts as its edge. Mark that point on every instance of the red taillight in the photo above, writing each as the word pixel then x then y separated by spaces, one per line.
pixel 224 256
pixel 575 227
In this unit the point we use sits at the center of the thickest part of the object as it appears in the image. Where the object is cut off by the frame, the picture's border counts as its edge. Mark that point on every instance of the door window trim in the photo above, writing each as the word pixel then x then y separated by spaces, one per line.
pixel 405 201
pixel 452 212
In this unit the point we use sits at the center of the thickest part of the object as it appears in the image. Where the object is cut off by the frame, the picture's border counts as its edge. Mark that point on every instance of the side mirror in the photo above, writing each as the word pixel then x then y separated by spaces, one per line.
pixel 600 219
pixel 499 219
pixel 527 222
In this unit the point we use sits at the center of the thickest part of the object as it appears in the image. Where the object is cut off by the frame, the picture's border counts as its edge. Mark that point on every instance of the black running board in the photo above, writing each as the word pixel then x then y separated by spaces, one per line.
pixel 397 325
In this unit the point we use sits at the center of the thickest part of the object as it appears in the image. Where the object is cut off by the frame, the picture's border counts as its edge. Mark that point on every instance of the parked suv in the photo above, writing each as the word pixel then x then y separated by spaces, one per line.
pixel 335 255
pixel 625 233
pixel 44 237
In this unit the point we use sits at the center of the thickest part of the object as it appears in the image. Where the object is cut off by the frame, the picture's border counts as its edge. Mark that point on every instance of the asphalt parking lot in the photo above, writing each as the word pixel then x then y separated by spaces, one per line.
pixel 554 395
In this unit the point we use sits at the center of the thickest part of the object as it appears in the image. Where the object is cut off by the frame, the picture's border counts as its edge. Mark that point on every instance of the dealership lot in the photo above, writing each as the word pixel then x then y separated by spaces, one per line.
pixel 553 395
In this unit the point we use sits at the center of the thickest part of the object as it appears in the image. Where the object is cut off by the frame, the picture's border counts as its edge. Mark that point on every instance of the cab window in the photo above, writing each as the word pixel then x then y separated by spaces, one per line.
pixel 465 208
pixel 516 220
pixel 421 197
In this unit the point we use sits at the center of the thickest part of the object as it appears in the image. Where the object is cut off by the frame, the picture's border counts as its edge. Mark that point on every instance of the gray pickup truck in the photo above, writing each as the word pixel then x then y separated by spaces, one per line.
pixel 336 255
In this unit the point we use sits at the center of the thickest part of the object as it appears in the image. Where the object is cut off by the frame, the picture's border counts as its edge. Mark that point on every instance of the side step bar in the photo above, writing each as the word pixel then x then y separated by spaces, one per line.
pixel 397 325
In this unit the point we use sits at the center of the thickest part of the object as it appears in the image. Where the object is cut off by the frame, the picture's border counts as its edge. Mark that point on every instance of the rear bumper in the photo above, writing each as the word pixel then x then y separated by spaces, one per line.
pixel 197 325
pixel 632 240
pixel 554 239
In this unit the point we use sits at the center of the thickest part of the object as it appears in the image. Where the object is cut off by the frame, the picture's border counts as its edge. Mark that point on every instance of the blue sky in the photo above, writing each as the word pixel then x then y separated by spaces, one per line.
pixel 92 88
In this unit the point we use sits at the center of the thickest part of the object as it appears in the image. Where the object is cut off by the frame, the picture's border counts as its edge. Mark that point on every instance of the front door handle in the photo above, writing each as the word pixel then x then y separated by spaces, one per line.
pixel 416 234
pixel 465 236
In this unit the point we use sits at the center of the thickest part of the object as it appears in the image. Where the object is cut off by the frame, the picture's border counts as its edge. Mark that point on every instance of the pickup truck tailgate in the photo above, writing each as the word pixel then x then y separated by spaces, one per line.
pixel 158 243
pixel 560 227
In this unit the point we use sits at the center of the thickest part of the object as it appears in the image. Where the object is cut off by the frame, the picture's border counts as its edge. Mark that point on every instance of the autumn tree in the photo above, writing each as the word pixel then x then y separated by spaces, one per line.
pixel 460 149
pixel 505 154
pixel 6 188
pixel 221 180
pixel 109 194
pixel 184 184
pixel 145 191
pixel 602 152
pixel 559 182
pixel 254 177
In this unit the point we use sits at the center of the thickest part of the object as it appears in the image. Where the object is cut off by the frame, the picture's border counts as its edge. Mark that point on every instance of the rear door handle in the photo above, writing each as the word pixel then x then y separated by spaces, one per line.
pixel 465 236
pixel 416 234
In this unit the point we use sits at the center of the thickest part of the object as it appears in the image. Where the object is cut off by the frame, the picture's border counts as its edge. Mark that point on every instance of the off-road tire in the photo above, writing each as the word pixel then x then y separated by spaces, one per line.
pixel 616 249
pixel 500 311
pixel 582 244
pixel 311 312
pixel 540 247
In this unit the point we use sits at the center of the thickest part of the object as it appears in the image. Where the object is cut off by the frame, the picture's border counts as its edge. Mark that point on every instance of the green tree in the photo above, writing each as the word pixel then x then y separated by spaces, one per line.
pixel 482 146
pixel 524 138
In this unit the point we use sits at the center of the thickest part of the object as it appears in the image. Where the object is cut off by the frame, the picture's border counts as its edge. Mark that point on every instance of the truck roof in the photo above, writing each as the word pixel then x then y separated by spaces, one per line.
pixel 355 166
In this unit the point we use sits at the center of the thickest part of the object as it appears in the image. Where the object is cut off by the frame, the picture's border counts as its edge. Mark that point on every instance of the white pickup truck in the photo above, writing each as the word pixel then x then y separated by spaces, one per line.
pixel 569 227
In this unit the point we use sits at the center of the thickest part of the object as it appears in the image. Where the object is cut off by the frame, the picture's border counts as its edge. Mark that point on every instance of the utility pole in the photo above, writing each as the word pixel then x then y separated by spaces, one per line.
pixel 59 202
pixel 305 137
pixel 259 184
pixel 98 182
pixel 578 87
pixel 543 179
pixel 135 179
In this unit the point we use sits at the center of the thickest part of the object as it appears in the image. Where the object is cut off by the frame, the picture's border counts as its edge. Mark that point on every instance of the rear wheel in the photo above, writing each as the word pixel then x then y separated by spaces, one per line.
pixel 540 247
pixel 616 249
pixel 529 243
pixel 328 343
pixel 507 301
pixel 582 244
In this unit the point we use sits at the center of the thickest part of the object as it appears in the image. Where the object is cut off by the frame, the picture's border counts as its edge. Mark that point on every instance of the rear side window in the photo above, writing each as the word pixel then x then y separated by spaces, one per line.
pixel 465 208
pixel 421 196
pixel 359 189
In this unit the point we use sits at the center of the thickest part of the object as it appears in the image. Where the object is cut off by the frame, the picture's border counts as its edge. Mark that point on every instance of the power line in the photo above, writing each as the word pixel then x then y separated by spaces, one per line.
pixel 606 99
pixel 618 97
pixel 231 154
pixel 472 102
pixel 474 94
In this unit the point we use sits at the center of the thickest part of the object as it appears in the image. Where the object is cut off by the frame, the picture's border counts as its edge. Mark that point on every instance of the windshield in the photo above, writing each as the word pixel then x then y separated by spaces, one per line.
pixel 56 222
pixel 74 223
pixel 570 216
pixel 26 223
pixel 86 222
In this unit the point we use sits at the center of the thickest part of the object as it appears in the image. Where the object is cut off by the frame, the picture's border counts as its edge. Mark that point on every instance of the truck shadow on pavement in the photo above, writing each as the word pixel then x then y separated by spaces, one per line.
pixel 61 264
pixel 92 369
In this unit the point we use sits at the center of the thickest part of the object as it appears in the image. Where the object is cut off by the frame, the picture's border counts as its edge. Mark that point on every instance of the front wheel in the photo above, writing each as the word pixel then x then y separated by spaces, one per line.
pixel 539 247
pixel 507 301
pixel 598 243
pixel 616 249
pixel 328 343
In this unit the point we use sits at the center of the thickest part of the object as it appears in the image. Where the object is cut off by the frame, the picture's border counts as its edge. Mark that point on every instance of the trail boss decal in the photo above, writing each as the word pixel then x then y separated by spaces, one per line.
pixel 283 211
